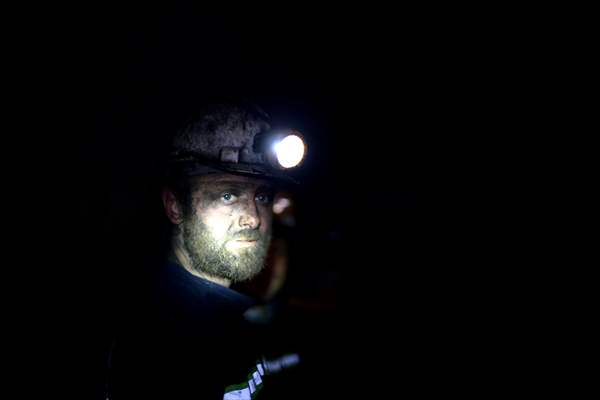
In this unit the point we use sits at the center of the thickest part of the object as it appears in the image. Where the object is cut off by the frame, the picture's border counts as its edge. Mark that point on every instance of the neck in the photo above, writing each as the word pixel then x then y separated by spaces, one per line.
pixel 181 257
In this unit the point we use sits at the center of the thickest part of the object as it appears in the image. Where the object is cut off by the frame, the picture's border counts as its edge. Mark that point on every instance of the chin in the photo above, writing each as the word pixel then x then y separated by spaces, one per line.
pixel 245 275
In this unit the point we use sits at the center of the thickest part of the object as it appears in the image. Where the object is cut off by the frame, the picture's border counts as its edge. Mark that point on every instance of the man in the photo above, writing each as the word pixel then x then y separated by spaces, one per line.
pixel 223 232
pixel 187 336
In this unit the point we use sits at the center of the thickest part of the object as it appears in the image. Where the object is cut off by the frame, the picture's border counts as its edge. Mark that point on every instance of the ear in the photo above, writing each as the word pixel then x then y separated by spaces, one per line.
pixel 172 207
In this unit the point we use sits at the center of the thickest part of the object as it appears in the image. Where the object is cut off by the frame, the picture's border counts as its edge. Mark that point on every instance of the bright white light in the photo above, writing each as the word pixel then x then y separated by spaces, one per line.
pixel 290 151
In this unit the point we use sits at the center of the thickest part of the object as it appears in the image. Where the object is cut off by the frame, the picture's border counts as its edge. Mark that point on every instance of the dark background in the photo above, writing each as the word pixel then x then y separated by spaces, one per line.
pixel 392 104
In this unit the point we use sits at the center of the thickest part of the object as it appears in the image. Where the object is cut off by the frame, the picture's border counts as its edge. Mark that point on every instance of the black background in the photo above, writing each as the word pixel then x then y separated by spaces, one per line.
pixel 402 111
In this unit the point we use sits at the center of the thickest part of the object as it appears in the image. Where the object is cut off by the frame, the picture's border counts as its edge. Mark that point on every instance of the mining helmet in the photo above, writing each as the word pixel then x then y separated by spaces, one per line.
pixel 236 139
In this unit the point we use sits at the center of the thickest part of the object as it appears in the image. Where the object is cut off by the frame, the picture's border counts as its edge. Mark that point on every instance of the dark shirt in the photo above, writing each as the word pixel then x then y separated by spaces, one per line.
pixel 183 338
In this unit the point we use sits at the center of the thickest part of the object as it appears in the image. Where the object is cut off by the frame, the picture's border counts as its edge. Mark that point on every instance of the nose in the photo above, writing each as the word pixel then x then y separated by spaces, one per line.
pixel 249 217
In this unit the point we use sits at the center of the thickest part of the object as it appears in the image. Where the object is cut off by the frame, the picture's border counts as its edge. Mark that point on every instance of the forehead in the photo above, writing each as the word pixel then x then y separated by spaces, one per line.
pixel 224 179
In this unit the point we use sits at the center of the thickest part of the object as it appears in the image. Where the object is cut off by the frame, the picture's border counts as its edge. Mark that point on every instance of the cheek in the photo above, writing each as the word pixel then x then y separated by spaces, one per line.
pixel 218 224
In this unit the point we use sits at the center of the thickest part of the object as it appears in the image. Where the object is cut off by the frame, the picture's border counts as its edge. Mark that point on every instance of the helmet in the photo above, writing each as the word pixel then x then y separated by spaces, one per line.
pixel 235 138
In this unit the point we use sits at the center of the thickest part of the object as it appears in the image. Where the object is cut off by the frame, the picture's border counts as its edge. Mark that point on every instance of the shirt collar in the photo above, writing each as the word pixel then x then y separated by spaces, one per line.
pixel 202 288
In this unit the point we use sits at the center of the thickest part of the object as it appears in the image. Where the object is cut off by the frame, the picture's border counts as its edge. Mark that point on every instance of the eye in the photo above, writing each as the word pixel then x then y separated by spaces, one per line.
pixel 263 198
pixel 228 198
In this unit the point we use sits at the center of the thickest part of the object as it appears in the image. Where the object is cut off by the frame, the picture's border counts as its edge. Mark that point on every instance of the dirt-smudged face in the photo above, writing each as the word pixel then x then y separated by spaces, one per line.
pixel 228 230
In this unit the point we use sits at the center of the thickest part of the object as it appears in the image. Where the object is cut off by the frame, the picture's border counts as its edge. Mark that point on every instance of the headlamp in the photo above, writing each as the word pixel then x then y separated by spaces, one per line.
pixel 281 149
pixel 270 154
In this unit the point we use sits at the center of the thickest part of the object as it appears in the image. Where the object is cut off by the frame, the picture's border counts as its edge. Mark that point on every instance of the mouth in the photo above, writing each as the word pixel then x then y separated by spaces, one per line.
pixel 241 243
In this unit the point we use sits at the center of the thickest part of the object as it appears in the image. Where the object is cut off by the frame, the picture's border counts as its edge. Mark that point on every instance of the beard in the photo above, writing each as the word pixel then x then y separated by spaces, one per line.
pixel 211 257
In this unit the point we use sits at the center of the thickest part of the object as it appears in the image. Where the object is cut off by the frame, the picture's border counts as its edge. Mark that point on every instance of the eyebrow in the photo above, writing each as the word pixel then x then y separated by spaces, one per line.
pixel 242 186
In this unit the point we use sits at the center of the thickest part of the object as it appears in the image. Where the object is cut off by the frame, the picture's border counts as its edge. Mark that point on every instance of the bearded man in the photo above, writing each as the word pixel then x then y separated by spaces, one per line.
pixel 188 338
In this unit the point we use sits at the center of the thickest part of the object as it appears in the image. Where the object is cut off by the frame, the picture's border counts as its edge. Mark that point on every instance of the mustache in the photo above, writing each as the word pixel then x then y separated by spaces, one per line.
pixel 247 234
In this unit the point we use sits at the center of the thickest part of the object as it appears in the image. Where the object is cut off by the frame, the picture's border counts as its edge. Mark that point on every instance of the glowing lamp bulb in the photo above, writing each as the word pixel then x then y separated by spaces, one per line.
pixel 290 151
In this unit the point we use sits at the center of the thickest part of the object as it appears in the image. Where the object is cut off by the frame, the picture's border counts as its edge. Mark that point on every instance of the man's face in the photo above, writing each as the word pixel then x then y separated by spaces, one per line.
pixel 228 231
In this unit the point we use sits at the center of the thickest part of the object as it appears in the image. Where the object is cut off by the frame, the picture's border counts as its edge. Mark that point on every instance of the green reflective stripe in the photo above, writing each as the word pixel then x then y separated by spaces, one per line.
pixel 254 380
pixel 253 384
pixel 248 389
pixel 238 386
pixel 255 377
